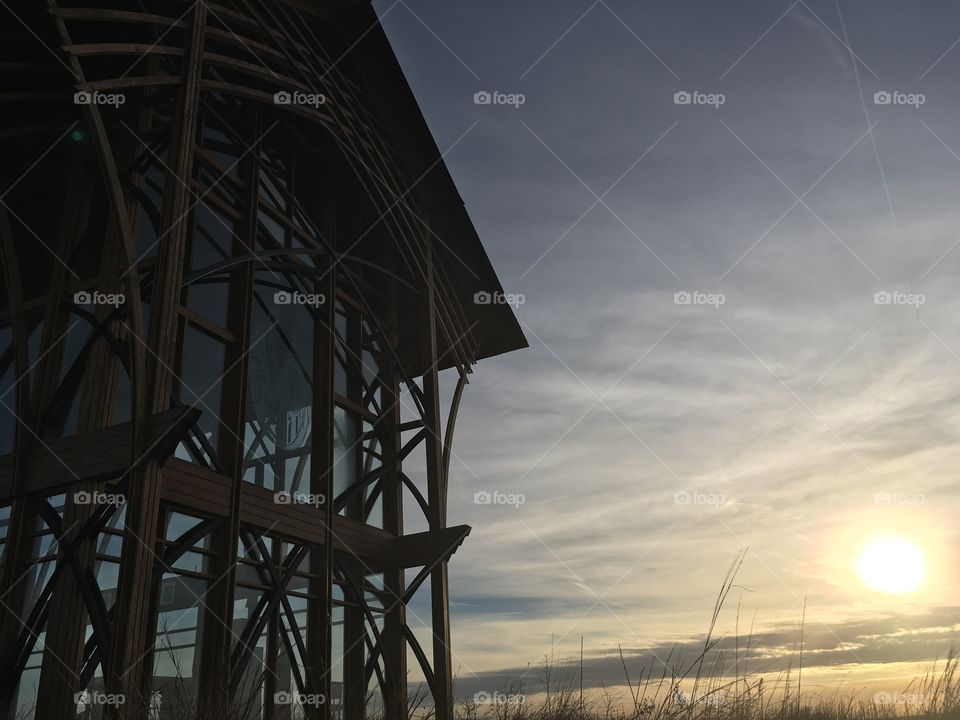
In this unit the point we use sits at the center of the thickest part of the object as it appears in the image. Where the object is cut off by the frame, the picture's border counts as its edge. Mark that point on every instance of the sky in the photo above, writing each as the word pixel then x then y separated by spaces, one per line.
pixel 742 315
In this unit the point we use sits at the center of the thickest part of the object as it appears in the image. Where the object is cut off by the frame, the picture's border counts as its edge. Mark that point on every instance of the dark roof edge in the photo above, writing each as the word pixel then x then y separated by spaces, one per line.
pixel 373 56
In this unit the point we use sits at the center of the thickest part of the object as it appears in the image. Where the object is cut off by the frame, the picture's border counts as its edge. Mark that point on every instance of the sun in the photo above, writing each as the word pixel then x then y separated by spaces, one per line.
pixel 891 564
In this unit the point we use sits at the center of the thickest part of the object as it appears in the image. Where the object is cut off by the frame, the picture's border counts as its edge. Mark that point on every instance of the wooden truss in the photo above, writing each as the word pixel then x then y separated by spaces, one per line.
pixel 232 444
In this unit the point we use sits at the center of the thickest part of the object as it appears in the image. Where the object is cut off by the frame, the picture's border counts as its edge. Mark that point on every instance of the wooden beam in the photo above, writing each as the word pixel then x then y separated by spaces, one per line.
pixel 100 455
pixel 437 499
pixel 426 549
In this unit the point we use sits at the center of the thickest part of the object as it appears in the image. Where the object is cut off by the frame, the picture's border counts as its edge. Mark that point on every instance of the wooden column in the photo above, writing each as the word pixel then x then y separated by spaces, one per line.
pixel 215 695
pixel 63 649
pixel 22 517
pixel 320 605
pixel 354 630
pixel 394 581
pixel 394 642
pixel 134 632
pixel 437 500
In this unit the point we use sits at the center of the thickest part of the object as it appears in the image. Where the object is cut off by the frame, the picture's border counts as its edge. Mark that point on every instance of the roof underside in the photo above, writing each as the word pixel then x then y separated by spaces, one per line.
pixel 455 241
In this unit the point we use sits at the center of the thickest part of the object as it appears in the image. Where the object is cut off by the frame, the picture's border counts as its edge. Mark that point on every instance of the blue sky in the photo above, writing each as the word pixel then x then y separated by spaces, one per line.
pixel 789 408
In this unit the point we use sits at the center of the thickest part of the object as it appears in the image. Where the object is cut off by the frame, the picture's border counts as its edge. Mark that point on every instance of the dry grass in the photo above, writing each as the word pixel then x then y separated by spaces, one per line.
pixel 703 690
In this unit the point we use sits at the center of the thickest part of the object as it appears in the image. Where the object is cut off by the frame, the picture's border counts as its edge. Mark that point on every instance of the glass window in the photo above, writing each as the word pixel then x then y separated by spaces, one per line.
pixel 4 528
pixel 202 385
pixel 279 393
pixel 180 617
pixel 42 562
pixel 345 454
pixel 107 572
pixel 212 244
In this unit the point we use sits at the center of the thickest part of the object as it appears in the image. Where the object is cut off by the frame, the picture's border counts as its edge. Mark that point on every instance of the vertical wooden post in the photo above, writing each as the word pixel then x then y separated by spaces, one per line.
pixel 134 634
pixel 354 630
pixel 394 580
pixel 218 638
pixel 437 500
pixel 320 606
pixel 273 645
pixel 22 517
pixel 63 649
pixel 394 642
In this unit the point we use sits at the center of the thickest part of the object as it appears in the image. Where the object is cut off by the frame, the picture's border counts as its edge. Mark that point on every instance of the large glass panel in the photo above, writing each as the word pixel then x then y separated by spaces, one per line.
pixel 42 562
pixel 176 656
pixel 295 695
pixel 251 590
pixel 346 452
pixel 202 385
pixel 270 190
pixel 107 572
pixel 250 689
pixel 4 528
pixel 373 495
pixel 336 659
pixel 290 701
pixel 275 233
pixel 212 244
pixel 279 393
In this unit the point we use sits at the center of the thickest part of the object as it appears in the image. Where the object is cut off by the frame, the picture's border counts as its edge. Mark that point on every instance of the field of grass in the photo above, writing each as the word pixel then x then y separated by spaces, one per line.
pixel 704 690
pixel 934 695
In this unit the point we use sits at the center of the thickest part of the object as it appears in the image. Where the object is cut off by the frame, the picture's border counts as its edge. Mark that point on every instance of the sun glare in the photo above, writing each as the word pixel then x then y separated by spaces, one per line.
pixel 891 564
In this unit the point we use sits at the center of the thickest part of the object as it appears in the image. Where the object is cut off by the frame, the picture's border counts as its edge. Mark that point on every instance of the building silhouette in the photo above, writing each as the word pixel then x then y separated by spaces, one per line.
pixel 236 277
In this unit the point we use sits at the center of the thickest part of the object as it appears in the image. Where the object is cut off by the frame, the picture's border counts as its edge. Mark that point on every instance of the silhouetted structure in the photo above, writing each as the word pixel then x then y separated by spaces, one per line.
pixel 234 266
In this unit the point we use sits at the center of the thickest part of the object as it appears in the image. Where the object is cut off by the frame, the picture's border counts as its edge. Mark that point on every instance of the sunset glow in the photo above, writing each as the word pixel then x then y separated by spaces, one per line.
pixel 891 564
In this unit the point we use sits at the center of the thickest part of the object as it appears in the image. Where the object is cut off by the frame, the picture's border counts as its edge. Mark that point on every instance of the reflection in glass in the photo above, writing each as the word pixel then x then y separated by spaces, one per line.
pixel 180 617
pixel 279 394
pixel 202 386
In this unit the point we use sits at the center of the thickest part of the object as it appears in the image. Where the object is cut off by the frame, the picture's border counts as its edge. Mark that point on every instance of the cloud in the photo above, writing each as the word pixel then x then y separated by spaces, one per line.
pixel 892 639
pixel 796 401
